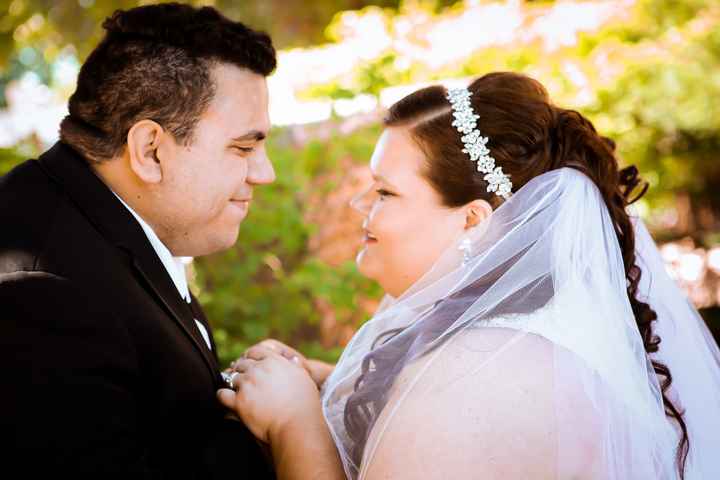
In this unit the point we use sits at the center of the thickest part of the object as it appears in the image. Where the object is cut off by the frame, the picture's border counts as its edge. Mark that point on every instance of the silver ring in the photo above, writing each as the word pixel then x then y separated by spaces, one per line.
pixel 229 377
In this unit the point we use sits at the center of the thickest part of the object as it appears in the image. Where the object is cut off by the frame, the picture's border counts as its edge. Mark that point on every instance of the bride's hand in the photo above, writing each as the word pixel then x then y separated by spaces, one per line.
pixel 273 394
pixel 318 370
pixel 278 347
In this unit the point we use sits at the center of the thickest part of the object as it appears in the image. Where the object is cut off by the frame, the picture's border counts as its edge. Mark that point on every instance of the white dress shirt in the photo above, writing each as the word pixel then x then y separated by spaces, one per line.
pixel 175 266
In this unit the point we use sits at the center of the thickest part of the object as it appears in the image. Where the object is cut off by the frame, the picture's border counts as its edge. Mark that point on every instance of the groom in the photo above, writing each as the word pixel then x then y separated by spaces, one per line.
pixel 109 367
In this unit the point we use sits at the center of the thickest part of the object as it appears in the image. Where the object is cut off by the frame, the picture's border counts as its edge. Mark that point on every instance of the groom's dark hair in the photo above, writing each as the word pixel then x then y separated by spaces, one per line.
pixel 155 62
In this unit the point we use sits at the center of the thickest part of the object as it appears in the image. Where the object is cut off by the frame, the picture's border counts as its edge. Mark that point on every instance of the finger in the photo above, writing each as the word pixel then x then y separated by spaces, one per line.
pixel 242 365
pixel 272 344
pixel 229 378
pixel 226 397
pixel 284 350
pixel 236 380
pixel 259 352
pixel 292 355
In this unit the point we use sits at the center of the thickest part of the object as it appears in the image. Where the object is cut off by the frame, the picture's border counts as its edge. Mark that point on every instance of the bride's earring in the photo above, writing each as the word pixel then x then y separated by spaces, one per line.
pixel 466 249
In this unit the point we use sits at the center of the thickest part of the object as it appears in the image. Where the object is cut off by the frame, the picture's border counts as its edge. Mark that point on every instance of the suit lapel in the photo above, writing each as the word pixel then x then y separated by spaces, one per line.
pixel 110 217
pixel 152 271
pixel 200 317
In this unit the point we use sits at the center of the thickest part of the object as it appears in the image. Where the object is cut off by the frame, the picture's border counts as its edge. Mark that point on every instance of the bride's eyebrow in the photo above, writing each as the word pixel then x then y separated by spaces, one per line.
pixel 380 178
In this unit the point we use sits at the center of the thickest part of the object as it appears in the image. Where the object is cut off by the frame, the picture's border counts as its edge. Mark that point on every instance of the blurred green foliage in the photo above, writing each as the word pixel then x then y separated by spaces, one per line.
pixel 33 33
pixel 663 110
pixel 9 157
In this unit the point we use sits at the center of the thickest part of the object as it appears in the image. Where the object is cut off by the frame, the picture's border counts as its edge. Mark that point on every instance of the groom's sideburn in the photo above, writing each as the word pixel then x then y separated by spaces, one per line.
pixel 106 374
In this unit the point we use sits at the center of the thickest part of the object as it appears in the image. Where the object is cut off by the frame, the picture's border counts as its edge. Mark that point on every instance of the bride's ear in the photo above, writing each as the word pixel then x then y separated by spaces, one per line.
pixel 143 141
pixel 475 212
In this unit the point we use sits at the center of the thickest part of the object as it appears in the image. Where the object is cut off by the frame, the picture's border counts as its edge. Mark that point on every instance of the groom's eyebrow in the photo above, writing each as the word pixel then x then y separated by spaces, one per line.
pixel 255 135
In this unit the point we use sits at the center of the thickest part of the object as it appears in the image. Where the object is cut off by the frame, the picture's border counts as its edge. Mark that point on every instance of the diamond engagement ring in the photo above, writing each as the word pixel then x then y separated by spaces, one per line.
pixel 229 377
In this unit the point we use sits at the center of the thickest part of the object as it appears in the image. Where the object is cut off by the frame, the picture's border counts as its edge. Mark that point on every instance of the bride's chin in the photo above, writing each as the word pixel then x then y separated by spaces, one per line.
pixel 361 261
pixel 360 257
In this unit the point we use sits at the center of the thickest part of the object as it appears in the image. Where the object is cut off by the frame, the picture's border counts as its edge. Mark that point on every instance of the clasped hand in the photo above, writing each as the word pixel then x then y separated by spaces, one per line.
pixel 276 389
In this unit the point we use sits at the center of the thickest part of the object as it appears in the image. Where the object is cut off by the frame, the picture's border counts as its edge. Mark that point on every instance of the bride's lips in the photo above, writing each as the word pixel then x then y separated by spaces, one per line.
pixel 368 237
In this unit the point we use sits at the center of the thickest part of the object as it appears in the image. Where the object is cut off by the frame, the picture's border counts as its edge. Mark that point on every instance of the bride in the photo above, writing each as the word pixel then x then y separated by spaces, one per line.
pixel 529 329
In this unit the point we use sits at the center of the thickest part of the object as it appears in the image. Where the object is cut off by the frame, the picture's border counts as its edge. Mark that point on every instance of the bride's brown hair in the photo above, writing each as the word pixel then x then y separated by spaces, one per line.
pixel 528 136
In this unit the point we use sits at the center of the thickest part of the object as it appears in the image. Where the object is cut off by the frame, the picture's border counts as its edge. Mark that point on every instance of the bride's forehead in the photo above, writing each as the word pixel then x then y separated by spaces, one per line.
pixel 396 155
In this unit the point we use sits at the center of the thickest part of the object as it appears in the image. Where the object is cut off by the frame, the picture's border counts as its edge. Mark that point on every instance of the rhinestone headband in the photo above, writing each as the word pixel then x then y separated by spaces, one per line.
pixel 475 144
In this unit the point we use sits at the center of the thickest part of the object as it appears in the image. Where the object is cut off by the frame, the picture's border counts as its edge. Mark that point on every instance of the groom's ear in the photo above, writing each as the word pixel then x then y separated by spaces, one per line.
pixel 143 141
pixel 475 212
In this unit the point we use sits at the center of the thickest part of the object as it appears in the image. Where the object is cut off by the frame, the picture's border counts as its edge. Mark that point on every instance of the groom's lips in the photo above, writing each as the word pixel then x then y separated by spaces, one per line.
pixel 242 204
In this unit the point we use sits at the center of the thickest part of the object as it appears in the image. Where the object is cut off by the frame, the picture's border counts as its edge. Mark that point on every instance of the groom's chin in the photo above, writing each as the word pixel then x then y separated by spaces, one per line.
pixel 217 242
pixel 224 231
pixel 227 240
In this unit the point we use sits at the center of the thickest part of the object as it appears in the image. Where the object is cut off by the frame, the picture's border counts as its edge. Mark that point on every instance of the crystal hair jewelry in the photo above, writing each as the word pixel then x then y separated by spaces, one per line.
pixel 475 144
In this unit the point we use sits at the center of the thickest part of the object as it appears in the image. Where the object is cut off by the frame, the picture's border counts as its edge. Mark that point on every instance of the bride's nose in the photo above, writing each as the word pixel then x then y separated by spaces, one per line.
pixel 362 202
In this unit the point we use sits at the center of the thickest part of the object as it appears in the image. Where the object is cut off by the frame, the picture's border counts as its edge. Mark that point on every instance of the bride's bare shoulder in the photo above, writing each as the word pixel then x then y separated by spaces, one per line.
pixel 489 351
pixel 473 394
pixel 483 402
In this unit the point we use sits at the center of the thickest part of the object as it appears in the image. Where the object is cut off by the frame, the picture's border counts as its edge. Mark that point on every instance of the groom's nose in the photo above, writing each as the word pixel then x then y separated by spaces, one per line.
pixel 260 170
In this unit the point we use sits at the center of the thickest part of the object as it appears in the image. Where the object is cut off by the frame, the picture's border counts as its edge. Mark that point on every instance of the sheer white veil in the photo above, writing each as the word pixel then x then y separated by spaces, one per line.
pixel 545 291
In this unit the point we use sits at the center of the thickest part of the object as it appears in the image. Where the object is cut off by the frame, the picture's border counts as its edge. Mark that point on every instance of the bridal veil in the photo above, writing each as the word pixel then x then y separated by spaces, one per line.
pixel 524 360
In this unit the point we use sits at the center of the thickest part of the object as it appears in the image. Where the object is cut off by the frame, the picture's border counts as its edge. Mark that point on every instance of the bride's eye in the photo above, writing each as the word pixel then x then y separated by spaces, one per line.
pixel 384 193
pixel 244 149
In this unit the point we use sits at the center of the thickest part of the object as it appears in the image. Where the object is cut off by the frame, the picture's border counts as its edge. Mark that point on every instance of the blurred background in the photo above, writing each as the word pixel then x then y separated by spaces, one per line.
pixel 646 72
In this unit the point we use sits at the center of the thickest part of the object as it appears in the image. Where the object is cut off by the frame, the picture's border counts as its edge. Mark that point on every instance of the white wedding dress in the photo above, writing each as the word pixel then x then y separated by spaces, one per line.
pixel 527 361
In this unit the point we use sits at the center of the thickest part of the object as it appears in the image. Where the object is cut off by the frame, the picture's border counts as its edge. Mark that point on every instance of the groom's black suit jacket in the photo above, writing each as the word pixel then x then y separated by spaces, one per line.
pixel 104 372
